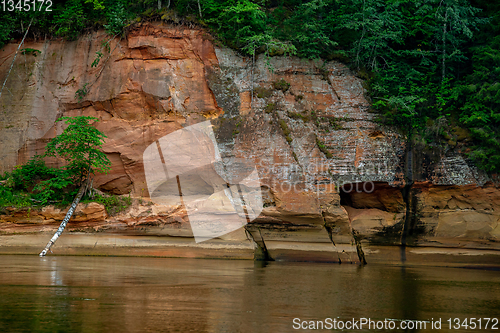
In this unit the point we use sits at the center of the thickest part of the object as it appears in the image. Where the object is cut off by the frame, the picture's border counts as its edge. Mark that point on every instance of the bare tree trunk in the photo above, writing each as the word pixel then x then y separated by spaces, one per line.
pixel 443 70
pixel 159 4
pixel 253 65
pixel 66 219
pixel 199 8
pixel 362 36
pixel 168 4
pixel 15 55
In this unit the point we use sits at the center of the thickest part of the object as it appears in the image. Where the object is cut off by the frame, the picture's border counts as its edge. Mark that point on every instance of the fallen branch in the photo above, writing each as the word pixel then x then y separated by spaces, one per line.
pixel 15 55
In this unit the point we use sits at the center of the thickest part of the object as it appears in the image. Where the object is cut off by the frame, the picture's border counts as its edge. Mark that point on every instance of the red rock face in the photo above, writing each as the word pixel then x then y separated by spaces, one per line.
pixel 306 125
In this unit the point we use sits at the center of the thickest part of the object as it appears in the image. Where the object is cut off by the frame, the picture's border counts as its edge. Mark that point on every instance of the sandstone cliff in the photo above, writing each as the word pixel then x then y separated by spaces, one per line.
pixel 307 126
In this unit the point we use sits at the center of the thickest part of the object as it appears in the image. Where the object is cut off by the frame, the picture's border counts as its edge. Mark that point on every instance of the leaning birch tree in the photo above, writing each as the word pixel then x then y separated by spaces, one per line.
pixel 80 146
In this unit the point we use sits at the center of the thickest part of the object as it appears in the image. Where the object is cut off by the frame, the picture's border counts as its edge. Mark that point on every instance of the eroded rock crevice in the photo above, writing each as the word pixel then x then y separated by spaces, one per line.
pixel 255 235
pixel 329 230
pixel 376 211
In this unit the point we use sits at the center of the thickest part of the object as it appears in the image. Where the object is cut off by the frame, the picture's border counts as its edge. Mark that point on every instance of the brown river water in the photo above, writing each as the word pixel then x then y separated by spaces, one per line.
pixel 132 294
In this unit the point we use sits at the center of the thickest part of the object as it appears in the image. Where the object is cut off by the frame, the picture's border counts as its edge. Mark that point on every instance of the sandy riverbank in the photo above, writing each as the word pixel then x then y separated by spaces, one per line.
pixel 182 247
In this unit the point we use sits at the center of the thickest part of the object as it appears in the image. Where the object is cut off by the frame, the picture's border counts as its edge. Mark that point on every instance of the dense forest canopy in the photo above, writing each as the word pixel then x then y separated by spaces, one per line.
pixel 432 67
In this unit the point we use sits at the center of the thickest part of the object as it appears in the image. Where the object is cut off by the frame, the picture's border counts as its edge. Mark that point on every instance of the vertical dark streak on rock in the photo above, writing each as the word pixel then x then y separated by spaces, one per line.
pixel 357 242
pixel 261 253
pixel 329 231
pixel 407 196
pixel 359 248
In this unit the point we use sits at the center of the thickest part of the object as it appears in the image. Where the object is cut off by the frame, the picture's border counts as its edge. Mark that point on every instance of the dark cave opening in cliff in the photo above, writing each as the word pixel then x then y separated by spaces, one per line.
pixel 345 196
pixel 377 208
pixel 350 193
pixel 367 195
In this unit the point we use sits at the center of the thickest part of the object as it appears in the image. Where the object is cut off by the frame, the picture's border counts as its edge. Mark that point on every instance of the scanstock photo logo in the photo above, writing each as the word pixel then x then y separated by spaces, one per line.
pixel 185 168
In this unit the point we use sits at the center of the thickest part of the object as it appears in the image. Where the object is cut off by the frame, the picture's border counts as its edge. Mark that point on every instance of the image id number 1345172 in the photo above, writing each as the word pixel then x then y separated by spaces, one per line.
pixel 26 5
pixel 473 323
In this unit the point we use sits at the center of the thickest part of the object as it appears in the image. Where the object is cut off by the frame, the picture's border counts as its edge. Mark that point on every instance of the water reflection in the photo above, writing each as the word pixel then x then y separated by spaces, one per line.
pixel 92 294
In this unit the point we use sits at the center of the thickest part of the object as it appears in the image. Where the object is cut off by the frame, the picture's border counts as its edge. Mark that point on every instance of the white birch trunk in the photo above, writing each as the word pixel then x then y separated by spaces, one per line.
pixel 443 70
pixel 15 55
pixel 199 8
pixel 63 224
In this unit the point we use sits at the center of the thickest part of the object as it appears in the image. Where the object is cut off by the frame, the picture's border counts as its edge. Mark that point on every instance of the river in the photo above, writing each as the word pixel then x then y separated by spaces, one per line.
pixel 134 294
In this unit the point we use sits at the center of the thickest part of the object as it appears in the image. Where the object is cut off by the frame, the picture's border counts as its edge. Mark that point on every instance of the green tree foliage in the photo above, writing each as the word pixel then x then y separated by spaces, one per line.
pixel 306 27
pixel 243 24
pixel 70 19
pixel 116 17
pixel 420 58
pixel 7 25
pixel 480 91
pixel 80 146
pixel 374 28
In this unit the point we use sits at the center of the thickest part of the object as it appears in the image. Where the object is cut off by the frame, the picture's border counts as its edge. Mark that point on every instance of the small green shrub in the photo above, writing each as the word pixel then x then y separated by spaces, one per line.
pixel 298 116
pixel 323 148
pixel 81 93
pixel 36 184
pixel 334 123
pixel 114 204
pixel 281 84
pixel 324 73
pixel 304 115
pixel 12 198
pixel 262 92
pixel 98 56
pixel 270 107
pixel 462 134
pixel 286 131
pixel 26 176
pixel 236 130
pixel 29 51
